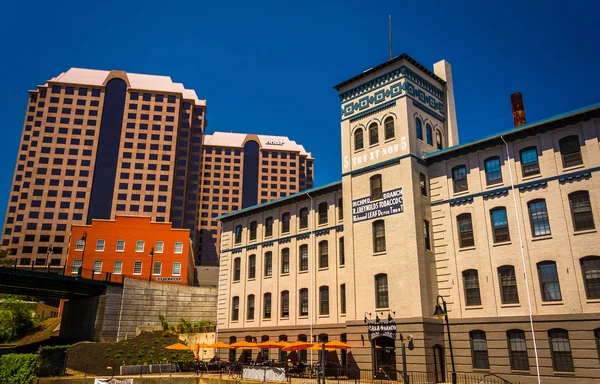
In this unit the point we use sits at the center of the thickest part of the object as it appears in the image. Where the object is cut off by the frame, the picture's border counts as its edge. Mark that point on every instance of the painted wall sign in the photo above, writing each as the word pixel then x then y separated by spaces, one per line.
pixel 382 328
pixel 271 141
pixel 380 153
pixel 363 209
pixel 168 279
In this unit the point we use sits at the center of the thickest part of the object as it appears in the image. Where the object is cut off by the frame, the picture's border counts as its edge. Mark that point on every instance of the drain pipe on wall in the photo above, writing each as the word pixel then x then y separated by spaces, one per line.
pixel 312 275
pixel 512 186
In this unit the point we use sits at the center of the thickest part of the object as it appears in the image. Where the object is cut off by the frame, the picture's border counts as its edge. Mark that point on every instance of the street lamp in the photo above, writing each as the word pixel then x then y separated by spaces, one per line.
pixel 442 313
pixel 84 239
pixel 50 250
pixel 367 313
pixel 151 263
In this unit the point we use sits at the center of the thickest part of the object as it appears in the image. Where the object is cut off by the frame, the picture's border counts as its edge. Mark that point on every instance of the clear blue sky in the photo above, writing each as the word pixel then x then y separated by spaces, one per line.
pixel 269 66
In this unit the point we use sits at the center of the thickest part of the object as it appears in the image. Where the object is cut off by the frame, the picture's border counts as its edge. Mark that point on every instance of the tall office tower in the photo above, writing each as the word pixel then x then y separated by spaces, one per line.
pixel 97 144
pixel 241 170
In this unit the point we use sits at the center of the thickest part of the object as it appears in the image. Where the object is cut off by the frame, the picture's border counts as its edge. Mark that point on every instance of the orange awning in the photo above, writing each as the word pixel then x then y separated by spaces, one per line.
pixel 219 344
pixel 269 344
pixel 243 345
pixel 298 346
pixel 336 344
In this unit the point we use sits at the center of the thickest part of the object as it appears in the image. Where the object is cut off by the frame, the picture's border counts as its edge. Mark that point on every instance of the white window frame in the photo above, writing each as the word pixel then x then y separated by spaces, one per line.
pixel 178 264
pixel 120 267
pixel 180 250
pixel 100 245
pixel 80 244
pixel 160 249
pixel 137 243
pixel 97 271
pixel 159 263
pixel 117 246
pixel 141 267
pixel 76 266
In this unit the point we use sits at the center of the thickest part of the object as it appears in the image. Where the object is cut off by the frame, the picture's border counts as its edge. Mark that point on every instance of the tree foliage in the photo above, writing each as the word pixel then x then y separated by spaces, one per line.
pixel 4 260
pixel 16 317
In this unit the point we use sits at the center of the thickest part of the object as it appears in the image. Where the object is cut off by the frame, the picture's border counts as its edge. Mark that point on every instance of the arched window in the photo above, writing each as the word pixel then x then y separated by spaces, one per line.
pixel 303 300
pixel 250 307
pixel 465 230
pixel 438 139
pixel 590 270
pixel 381 291
pixel 268 227
pixel 549 284
pixel 323 212
pixel 358 139
pixel 529 161
pixel 373 134
pixel 560 349
pixel 268 263
pixel 303 251
pixel 423 184
pixel 378 236
pixel 479 350
pixel 264 351
pixel 471 282
pixel 323 254
pixel 285 222
pixel 389 128
pixel 253 227
pixel 419 128
pixel 303 355
pixel 251 266
pixel 237 268
pixel 459 178
pixel 597 337
pixel 303 218
pixel 324 300
pixel 232 339
pixel 493 171
pixel 499 225
pixel 235 308
pixel 517 349
pixel 282 353
pixel 538 217
pixel 581 211
pixel 238 234
pixel 285 304
pixel 429 134
pixel 570 151
pixel 508 285
pixel 285 260
pixel 376 187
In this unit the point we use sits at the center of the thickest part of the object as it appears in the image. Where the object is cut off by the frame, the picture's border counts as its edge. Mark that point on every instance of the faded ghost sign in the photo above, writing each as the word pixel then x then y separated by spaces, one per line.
pixel 363 209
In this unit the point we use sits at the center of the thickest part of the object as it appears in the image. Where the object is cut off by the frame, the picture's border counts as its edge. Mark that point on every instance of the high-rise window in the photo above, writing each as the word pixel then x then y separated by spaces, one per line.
pixel 381 291
pixel 252 229
pixel 358 139
pixel 303 218
pixel 267 305
pixel 238 234
pixel 323 254
pixel 235 308
pixel 285 223
pixel 471 282
pixel 285 260
pixel 376 188
pixel 268 263
pixel 389 128
pixel 493 170
pixel 465 230
pixel 268 227
pixel 378 236
pixel 419 128
pixel 549 284
pixel 237 269
pixel 426 235
pixel 538 217
pixel 342 251
pixel 373 134
pixel 529 161
pixel 499 225
pixel 508 284
pixel 423 184
pixel 322 213
pixel 581 211
pixel 285 304
pixel 570 151
pixel 250 307
pixel 343 299
pixel 303 302
pixel 324 300
pixel 560 349
pixel 251 266
pixel 118 267
pixel 459 178
pixel 479 350
pixel 303 264
pixel 176 268
pixel 429 134
pixel 590 269
pixel 517 350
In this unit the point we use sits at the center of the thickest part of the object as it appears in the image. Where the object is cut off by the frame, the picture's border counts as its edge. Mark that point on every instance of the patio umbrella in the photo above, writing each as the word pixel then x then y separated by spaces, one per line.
pixel 283 344
pixel 178 347
pixel 298 346
pixel 203 346
pixel 219 344
pixel 336 344
pixel 319 347
pixel 269 344
pixel 243 345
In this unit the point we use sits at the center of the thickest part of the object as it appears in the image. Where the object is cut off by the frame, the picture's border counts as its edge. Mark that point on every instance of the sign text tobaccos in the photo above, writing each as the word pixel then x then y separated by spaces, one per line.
pixel 364 209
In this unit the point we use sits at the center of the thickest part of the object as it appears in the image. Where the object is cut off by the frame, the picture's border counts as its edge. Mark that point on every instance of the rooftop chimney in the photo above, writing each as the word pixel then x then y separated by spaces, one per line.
pixel 518 110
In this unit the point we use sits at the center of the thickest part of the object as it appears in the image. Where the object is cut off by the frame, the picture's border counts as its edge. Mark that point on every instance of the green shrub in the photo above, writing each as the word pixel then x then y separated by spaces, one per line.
pixel 118 356
pixel 53 360
pixel 18 368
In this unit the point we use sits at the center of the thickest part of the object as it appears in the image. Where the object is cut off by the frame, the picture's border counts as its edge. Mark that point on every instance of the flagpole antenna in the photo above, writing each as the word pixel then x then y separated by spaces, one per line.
pixel 390 27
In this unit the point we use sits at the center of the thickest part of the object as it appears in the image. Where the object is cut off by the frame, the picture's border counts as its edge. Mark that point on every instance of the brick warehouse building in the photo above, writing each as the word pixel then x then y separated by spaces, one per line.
pixel 503 229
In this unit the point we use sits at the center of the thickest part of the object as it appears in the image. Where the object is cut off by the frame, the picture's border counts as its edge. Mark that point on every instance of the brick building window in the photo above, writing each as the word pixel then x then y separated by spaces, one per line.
pixel 342 251
pixel 459 178
pixel 560 349
pixel 251 266
pixel 250 307
pixel 267 305
pixel 303 300
pixel 389 128
pixel 268 227
pixel 252 229
pixel 373 134
pixel 517 350
pixel 538 217
pixel 376 187
pixel 237 268
pixel 285 260
pixel 268 263
pixel 581 210
pixel 303 218
pixel 322 213
pixel 285 223
pixel 471 283
pixel 303 251
pixel 358 139
pixel 137 267
pixel 324 300
pixel 570 151
pixel 285 304
pixel 465 230
pixel 378 236
pixel 590 269
pixel 529 161
pixel 235 308
pixel 500 225
pixel 549 284
pixel 381 291
pixel 508 284
pixel 479 350
pixel 323 254
pixel 493 170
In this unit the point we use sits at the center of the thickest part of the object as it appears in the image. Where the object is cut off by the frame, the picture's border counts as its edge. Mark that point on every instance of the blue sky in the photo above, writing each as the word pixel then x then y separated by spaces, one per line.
pixel 269 66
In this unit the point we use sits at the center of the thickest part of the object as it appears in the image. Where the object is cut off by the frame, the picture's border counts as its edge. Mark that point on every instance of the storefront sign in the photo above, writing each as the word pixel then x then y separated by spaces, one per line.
pixel 382 328
pixel 168 279
pixel 363 209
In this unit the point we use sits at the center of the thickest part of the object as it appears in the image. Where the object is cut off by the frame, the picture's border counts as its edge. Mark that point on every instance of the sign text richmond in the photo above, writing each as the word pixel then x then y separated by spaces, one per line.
pixel 363 209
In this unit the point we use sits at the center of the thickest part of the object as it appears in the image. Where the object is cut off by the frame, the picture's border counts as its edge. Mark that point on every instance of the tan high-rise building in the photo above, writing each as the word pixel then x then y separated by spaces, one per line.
pixel 97 144
pixel 500 234
pixel 241 170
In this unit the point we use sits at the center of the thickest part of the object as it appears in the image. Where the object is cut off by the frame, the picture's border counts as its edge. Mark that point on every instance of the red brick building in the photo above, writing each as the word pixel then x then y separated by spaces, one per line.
pixel 133 247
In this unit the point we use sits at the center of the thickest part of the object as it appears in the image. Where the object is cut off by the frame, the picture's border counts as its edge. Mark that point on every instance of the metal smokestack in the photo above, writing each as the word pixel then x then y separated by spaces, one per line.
pixel 518 110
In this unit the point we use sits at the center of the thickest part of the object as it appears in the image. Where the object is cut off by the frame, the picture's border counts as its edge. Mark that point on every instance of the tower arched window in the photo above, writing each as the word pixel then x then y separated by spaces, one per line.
pixel 438 139
pixel 373 134
pixel 429 133
pixel 389 131
pixel 419 128
pixel 358 140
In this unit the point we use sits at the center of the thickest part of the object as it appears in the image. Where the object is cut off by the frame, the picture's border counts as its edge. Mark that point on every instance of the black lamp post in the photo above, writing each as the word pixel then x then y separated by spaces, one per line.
pixel 84 239
pixel 442 313
pixel 50 250
pixel 151 263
